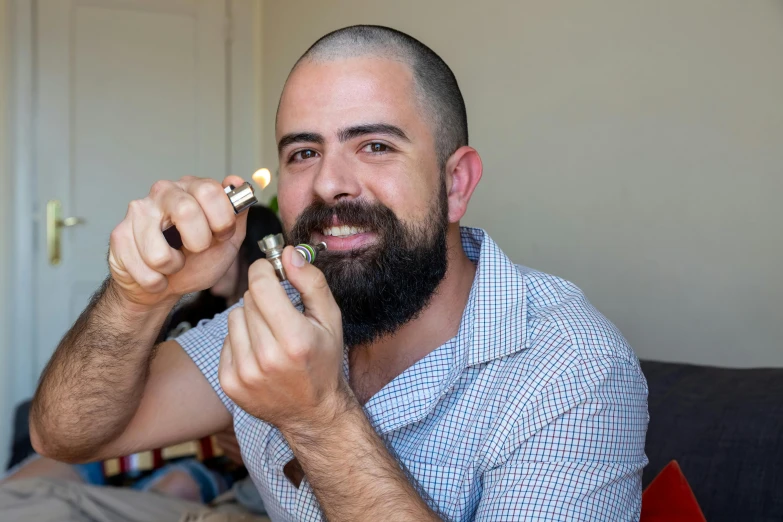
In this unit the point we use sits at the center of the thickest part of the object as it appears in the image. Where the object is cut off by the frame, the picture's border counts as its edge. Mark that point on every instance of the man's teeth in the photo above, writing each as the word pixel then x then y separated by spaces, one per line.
pixel 343 231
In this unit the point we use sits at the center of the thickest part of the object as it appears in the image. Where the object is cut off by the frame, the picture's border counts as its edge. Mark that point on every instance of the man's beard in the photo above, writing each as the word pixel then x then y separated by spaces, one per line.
pixel 384 286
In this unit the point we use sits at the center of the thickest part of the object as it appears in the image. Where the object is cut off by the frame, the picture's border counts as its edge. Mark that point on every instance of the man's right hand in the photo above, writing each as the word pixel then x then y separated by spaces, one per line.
pixel 146 270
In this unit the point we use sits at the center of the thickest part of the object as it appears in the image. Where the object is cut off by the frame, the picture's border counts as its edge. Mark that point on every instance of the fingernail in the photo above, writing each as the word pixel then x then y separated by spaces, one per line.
pixel 296 259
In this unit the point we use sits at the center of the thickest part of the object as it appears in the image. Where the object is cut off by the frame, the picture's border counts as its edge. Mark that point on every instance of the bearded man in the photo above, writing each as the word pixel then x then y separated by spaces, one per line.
pixel 412 373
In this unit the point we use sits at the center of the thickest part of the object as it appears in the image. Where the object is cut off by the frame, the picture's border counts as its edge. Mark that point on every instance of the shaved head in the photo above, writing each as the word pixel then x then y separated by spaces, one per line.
pixel 436 87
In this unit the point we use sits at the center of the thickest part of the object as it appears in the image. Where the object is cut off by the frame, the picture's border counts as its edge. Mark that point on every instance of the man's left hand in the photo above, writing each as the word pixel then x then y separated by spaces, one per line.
pixel 278 364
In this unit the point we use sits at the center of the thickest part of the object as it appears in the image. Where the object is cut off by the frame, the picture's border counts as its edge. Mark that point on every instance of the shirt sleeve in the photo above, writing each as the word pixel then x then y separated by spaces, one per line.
pixel 584 465
pixel 203 344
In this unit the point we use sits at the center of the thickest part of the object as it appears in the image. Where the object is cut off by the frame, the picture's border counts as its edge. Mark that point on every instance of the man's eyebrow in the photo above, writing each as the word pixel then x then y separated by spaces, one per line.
pixel 299 137
pixel 356 131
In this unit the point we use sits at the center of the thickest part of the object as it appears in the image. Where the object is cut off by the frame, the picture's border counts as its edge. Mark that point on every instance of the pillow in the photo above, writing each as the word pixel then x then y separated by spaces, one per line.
pixel 669 498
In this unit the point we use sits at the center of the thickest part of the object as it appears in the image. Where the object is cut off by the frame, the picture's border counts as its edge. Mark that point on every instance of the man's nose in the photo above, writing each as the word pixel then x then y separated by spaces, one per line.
pixel 336 181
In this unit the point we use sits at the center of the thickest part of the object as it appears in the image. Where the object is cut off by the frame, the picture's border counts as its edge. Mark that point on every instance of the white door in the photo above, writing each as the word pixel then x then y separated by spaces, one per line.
pixel 128 92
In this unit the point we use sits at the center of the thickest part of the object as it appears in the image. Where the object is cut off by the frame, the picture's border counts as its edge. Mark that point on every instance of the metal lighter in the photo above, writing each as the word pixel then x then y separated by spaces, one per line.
pixel 272 246
pixel 241 198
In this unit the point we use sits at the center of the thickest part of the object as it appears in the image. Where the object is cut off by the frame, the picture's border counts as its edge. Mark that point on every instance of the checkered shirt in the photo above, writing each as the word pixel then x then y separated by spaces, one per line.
pixel 535 410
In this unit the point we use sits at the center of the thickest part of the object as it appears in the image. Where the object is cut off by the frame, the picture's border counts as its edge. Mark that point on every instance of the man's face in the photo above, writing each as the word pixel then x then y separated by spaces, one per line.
pixel 358 170
pixel 331 152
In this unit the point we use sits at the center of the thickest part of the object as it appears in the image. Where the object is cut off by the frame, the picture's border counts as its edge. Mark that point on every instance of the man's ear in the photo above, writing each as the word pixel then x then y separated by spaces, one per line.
pixel 463 172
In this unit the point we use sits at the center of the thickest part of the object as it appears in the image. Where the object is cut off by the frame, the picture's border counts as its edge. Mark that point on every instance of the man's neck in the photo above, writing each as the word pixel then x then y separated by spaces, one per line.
pixel 374 366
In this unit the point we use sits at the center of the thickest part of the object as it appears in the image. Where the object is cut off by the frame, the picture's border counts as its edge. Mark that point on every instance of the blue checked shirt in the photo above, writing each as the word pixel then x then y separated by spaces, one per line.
pixel 536 410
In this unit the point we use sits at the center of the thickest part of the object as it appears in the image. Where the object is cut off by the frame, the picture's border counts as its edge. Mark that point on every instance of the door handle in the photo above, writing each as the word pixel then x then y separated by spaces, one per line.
pixel 54 225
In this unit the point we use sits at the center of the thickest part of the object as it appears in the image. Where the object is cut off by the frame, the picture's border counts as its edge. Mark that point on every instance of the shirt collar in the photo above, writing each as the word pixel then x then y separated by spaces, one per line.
pixel 494 323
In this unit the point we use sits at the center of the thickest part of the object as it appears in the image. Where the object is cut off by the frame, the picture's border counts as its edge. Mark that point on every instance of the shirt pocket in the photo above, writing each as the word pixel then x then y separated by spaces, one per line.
pixel 445 485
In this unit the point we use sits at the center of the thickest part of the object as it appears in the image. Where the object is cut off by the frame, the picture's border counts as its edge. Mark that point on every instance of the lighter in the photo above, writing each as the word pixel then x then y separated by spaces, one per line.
pixel 272 247
pixel 241 199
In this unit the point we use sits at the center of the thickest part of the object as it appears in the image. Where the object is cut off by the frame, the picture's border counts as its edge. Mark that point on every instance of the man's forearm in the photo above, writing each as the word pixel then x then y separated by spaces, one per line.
pixel 93 383
pixel 352 472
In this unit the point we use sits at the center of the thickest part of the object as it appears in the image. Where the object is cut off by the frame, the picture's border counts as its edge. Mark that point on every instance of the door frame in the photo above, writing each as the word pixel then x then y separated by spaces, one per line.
pixel 243 65
pixel 19 357
pixel 6 220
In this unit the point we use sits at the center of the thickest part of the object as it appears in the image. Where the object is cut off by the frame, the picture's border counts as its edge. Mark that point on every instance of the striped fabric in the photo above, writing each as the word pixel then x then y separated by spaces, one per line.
pixel 535 410
pixel 202 449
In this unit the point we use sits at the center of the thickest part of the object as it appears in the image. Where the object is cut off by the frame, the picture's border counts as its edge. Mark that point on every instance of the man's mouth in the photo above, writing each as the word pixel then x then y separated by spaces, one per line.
pixel 345 237
pixel 343 231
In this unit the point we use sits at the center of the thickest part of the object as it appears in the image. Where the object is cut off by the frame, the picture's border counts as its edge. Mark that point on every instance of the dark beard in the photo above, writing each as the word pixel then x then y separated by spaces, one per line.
pixel 382 287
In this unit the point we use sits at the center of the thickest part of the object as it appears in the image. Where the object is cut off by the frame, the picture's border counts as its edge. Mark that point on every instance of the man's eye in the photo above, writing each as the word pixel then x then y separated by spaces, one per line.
pixel 303 155
pixel 377 148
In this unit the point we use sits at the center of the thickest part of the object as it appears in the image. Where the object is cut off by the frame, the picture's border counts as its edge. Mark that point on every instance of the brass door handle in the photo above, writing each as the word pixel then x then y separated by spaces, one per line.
pixel 54 223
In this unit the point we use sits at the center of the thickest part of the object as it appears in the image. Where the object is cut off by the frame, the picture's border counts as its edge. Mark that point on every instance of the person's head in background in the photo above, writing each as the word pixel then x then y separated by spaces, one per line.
pixel 261 221
pixel 230 288
pixel 374 159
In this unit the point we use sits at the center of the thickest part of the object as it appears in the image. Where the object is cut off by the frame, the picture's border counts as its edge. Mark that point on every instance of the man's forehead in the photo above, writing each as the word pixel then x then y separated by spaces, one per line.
pixel 340 93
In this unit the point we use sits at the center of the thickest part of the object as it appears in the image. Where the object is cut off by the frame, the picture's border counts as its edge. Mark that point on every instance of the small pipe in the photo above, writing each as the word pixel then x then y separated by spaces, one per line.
pixel 272 246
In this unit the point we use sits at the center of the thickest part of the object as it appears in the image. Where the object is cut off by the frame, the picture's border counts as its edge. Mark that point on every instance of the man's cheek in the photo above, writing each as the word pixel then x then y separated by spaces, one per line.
pixel 288 222
pixel 288 200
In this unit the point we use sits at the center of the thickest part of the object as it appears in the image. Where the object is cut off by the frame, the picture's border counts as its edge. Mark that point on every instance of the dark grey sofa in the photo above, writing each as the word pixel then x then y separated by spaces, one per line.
pixel 725 428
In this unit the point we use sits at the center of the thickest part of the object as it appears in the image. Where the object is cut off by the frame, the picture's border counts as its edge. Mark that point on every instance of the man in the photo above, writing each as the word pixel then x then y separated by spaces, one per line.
pixel 414 373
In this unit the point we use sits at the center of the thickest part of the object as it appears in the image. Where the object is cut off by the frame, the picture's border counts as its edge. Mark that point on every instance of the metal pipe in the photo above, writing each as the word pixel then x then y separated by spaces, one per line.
pixel 272 246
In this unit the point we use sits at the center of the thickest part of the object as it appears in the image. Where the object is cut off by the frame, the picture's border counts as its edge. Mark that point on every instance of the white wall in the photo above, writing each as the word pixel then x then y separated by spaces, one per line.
pixel 633 147
pixel 5 239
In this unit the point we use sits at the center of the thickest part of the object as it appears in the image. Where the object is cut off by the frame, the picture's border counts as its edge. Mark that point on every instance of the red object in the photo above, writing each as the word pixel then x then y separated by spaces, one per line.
pixel 206 448
pixel 669 498
pixel 157 458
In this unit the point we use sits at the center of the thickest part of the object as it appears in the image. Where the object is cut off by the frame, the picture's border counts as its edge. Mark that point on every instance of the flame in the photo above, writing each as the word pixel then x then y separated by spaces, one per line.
pixel 262 177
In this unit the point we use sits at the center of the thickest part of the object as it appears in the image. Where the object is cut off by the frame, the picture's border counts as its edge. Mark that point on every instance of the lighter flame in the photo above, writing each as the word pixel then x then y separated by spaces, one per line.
pixel 262 177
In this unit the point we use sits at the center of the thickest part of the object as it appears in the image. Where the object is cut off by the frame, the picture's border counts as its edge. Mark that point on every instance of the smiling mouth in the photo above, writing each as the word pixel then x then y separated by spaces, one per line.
pixel 343 231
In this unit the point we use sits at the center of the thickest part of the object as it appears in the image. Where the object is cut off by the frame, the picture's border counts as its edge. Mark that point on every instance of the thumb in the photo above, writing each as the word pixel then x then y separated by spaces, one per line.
pixel 311 283
pixel 232 180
